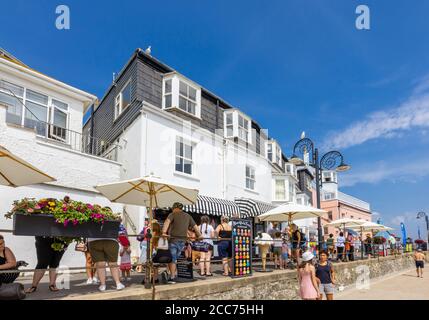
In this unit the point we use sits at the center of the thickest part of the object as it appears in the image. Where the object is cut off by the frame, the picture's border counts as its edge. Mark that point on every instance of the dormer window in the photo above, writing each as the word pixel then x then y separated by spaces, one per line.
pixel 291 169
pixel 274 153
pixel 182 94
pixel 329 176
pixel 123 100
pixel 237 125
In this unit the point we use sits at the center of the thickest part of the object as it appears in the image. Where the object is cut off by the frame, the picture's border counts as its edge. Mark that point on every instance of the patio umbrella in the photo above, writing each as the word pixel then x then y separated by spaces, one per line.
pixel 15 172
pixel 152 192
pixel 371 226
pixel 149 191
pixel 289 212
pixel 345 222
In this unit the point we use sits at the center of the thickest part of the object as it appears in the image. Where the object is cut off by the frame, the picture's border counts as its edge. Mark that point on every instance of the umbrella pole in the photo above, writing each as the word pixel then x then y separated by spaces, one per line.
pixel 151 246
pixel 361 243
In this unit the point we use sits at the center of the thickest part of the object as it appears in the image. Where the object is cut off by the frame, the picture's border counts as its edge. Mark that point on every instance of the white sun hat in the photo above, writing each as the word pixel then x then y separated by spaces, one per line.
pixel 307 256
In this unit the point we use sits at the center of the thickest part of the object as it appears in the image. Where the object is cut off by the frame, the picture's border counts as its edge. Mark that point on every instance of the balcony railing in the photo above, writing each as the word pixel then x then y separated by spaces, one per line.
pixel 353 201
pixel 55 134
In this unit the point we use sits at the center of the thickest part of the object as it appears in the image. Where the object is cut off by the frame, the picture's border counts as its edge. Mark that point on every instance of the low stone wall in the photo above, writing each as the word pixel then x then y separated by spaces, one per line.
pixel 279 284
pixel 284 284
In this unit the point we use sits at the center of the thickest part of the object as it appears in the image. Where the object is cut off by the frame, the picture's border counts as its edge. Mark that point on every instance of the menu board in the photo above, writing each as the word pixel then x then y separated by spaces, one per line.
pixel 241 247
pixel 185 269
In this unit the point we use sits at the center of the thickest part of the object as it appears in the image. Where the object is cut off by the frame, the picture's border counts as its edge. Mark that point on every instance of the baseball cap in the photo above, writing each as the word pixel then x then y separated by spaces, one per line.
pixel 177 205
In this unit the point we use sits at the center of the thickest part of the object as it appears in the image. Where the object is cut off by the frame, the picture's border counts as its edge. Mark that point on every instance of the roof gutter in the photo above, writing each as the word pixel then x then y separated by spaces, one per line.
pixel 62 87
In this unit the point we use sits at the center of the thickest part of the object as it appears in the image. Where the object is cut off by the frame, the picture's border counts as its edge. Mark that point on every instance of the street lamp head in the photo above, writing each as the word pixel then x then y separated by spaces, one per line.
pixel 421 214
pixel 296 160
pixel 343 167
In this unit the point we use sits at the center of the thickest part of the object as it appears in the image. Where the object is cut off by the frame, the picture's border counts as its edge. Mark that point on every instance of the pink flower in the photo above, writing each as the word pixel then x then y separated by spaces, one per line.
pixel 30 210
pixel 90 206
pixel 75 222
pixel 37 207
pixel 66 222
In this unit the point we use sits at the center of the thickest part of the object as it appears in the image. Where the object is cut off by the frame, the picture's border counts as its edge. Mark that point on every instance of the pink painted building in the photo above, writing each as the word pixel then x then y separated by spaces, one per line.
pixel 340 205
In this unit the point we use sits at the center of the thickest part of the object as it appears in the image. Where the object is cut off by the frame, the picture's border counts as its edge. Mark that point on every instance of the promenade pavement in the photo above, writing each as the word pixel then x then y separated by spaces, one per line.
pixel 402 286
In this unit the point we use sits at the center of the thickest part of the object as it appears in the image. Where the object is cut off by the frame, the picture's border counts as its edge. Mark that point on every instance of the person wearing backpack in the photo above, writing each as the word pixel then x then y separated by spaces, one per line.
pixel 207 232
pixel 325 276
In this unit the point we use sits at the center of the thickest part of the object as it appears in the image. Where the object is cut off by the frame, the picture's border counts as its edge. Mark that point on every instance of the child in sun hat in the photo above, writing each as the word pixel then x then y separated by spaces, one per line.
pixel 309 288
pixel 125 254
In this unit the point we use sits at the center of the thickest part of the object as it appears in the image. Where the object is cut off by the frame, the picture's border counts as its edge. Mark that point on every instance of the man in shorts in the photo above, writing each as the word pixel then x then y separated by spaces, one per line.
pixel 419 258
pixel 105 251
pixel 176 228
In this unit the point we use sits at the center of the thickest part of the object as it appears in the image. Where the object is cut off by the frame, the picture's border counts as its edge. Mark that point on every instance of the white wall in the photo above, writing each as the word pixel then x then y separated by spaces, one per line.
pixel 218 171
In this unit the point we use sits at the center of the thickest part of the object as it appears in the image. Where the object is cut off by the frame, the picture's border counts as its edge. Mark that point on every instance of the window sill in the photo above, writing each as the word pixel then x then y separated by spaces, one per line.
pixel 251 191
pixel 186 176
pixel 240 139
pixel 121 114
pixel 183 112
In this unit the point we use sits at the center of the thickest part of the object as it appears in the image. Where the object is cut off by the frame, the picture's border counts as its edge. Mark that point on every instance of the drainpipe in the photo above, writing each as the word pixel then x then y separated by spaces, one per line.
pixel 145 142
pixel 217 113
pixel 224 146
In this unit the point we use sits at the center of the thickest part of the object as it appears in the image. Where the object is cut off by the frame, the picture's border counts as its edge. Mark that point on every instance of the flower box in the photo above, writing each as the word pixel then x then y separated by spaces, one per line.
pixel 46 225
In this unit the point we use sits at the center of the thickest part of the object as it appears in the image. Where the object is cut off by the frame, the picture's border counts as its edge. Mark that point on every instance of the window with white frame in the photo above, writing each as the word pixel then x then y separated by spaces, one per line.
pixel 59 120
pixel 29 108
pixel 274 152
pixel 184 161
pixel 12 96
pixel 280 190
pixel 308 182
pixel 182 94
pixel 279 157
pixel 291 169
pixel 229 125
pixel 187 97
pixel 243 128
pixel 270 152
pixel 291 191
pixel 123 100
pixel 250 178
pixel 329 196
pixel 237 125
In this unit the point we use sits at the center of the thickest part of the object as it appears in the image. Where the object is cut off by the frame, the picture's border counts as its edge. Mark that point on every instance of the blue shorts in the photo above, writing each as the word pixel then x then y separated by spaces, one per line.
pixel 176 249
pixel 285 256
pixel 224 249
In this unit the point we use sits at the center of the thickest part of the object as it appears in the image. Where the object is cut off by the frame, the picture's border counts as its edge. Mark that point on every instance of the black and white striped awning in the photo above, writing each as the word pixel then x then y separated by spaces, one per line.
pixel 252 208
pixel 213 206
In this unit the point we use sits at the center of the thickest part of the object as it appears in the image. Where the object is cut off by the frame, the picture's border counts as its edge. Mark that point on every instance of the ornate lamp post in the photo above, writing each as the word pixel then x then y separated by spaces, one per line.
pixel 329 161
pixel 422 215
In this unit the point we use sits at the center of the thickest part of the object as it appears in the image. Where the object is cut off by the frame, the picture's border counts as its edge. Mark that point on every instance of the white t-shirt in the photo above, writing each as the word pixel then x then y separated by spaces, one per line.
pixel 340 242
pixel 207 233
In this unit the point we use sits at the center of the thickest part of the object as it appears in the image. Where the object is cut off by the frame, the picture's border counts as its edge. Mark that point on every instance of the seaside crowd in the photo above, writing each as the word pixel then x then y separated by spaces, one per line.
pixel 181 236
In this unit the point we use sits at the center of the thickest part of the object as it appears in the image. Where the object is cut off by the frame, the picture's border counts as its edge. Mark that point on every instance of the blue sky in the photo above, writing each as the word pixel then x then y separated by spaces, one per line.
pixel 292 65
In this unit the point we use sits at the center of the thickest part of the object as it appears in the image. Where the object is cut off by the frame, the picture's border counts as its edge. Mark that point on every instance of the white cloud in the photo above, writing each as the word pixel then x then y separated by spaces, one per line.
pixel 413 113
pixel 394 171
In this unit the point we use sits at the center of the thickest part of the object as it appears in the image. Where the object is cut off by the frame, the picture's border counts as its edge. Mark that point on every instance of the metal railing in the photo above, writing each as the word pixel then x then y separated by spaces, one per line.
pixel 56 134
